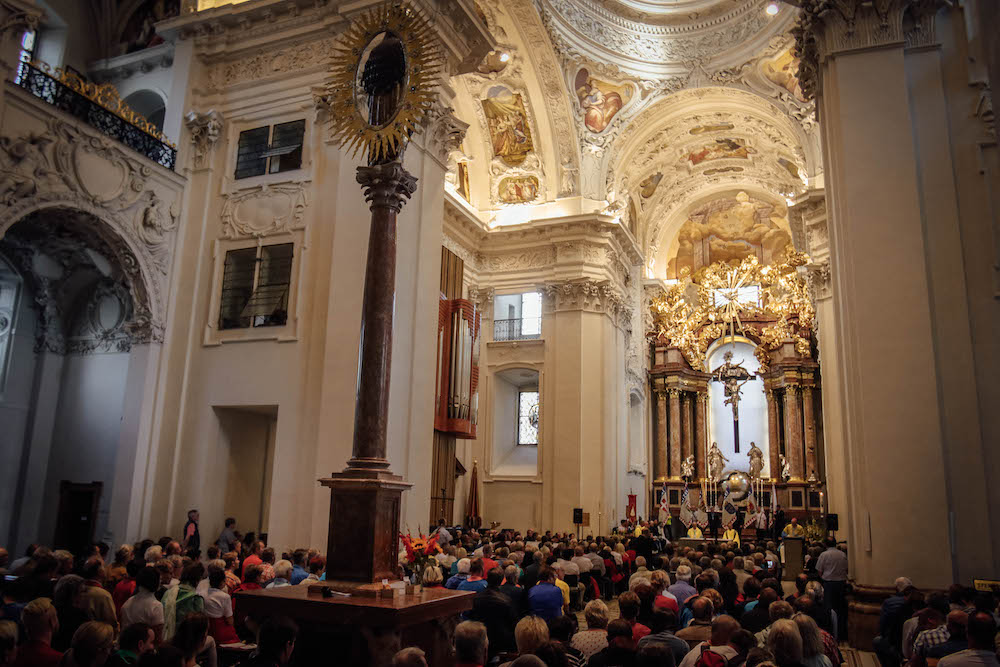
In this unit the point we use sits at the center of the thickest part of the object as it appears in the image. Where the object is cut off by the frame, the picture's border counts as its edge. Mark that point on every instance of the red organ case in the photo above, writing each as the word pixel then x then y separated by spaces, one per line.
pixel 456 398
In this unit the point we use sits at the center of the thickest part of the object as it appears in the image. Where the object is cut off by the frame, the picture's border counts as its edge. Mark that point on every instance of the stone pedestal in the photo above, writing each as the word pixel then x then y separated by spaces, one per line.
pixel 364 528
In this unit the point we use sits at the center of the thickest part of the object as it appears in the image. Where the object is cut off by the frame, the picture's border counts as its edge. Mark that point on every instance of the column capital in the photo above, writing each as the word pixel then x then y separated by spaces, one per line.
pixel 673 391
pixel 387 185
pixel 828 27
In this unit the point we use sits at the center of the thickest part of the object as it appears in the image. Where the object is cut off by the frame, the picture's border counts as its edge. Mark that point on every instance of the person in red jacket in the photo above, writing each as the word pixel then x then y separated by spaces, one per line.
pixel 40 623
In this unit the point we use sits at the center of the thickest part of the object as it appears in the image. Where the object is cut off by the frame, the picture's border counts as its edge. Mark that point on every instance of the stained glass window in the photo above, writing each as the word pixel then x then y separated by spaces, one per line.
pixel 527 418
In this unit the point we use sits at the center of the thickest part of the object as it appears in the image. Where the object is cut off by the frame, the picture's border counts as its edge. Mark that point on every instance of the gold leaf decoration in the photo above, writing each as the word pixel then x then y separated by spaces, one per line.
pixel 423 63
pixel 104 95
pixel 697 310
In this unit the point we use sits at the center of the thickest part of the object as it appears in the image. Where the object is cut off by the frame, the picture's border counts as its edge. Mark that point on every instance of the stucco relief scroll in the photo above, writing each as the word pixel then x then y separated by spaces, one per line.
pixel 264 211
pixel 65 169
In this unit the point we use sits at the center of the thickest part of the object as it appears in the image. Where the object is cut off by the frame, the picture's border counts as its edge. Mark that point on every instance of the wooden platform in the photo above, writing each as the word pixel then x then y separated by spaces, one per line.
pixel 363 630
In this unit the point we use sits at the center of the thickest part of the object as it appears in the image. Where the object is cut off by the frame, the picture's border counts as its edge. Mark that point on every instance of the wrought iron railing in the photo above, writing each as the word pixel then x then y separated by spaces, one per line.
pixel 527 328
pixel 72 99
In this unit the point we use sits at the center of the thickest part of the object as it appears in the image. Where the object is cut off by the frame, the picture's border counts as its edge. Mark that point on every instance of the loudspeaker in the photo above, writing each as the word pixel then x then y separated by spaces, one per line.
pixel 578 515
pixel 833 522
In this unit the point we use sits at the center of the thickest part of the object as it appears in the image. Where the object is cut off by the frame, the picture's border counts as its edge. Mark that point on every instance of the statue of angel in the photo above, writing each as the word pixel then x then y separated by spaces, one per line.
pixel 716 462
pixel 756 455
pixel 786 473
pixel 687 468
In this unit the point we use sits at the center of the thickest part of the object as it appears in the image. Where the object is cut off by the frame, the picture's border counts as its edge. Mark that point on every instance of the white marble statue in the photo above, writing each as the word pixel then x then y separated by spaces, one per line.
pixel 716 462
pixel 756 455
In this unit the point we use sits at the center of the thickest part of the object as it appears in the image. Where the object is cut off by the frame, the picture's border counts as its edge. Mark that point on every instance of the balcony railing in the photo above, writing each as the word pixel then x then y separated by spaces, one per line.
pixel 64 96
pixel 517 329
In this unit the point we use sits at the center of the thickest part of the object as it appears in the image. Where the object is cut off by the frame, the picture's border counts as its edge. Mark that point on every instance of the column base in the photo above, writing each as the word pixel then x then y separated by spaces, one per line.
pixel 362 545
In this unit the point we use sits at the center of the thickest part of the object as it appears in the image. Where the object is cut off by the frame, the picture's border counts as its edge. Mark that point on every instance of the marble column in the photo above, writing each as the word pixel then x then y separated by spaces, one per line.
pixel 809 430
pixel 675 433
pixel 701 428
pixel 660 470
pixel 366 498
pixel 772 434
pixel 687 433
pixel 793 431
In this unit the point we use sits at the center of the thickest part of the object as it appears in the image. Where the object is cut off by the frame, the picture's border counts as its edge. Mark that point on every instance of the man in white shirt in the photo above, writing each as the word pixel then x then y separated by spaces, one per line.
pixel 981 631
pixel 444 537
pixel 723 629
pixel 582 562
pixel 143 607
pixel 832 569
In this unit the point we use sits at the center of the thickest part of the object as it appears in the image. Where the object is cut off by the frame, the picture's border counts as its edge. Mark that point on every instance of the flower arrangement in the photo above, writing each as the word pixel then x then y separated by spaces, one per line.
pixel 420 552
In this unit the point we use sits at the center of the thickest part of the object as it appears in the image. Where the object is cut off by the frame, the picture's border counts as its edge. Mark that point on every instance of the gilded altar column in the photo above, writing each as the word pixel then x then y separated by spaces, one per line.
pixel 772 434
pixel 687 433
pixel 701 429
pixel 660 455
pixel 675 433
pixel 793 431
pixel 809 428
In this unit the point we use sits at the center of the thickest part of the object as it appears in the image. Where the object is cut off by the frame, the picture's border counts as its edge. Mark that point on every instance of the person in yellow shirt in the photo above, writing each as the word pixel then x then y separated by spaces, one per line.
pixel 694 532
pixel 564 587
pixel 793 529
pixel 731 536
pixel 638 529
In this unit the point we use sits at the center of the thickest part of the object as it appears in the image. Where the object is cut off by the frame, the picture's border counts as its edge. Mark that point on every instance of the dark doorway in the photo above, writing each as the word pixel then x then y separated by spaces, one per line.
pixel 77 517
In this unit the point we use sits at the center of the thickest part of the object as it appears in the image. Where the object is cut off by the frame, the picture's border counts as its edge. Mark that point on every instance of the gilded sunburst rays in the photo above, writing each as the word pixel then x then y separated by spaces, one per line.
pixel 423 59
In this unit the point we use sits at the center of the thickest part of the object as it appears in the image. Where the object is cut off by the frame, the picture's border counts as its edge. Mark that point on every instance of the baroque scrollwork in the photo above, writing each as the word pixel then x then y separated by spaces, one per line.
pixel 265 210
pixel 66 170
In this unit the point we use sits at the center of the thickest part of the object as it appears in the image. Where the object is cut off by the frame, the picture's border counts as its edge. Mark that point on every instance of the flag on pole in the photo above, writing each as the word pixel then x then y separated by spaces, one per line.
pixel 752 509
pixel 701 513
pixel 663 500
pixel 728 512
pixel 686 516
pixel 630 512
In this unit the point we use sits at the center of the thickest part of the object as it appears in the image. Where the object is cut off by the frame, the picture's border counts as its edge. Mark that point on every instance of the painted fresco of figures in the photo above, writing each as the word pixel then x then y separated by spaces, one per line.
pixel 720 149
pixel 518 190
pixel 600 100
pixel 508 123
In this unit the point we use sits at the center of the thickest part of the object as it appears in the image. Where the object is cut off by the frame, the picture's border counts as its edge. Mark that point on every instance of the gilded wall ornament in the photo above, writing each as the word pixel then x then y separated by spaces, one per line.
pixel 382 81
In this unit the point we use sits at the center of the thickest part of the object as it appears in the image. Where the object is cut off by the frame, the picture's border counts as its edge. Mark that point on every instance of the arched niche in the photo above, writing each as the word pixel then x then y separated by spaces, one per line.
pixel 752 407
pixel 517 422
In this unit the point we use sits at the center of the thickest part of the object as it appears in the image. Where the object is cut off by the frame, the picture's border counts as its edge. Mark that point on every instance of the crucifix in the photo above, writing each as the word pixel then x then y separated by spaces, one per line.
pixel 733 377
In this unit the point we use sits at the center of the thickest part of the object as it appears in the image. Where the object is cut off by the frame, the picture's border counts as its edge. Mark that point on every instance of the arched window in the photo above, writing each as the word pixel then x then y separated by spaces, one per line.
pixel 150 105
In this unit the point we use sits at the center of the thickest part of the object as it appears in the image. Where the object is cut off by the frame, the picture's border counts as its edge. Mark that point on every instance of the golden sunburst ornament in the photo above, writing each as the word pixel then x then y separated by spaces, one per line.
pixel 383 80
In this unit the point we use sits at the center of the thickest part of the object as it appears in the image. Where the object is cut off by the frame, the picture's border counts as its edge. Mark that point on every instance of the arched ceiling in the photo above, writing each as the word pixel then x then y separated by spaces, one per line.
pixel 704 102
pixel 654 39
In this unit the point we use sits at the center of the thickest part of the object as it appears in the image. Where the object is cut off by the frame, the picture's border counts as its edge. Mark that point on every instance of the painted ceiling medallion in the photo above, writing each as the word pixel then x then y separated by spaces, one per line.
pixel 383 80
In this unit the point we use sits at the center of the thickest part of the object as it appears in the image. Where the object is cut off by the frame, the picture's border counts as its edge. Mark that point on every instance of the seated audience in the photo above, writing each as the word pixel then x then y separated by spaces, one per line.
pixel 181 600
pixel 471 644
pixel 546 599
pixel 495 611
pixel 134 640
pixel 219 608
pixel 700 628
pixel 463 565
pixel 981 632
pixel 93 643
pixel 474 582
pixel 721 633
pixel 595 637
pixel 785 643
pixel 40 623
pixel 620 649
pixel 561 632
pixel 275 643
pixel 664 622
pixel 410 657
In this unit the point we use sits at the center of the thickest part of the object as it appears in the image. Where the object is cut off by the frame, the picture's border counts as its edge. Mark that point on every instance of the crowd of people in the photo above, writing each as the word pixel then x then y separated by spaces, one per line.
pixel 957 628
pixel 716 604
pixel 154 604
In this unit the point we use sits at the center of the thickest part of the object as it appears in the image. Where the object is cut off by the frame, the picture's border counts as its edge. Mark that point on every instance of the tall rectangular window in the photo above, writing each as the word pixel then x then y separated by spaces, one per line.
pixel 26 54
pixel 255 287
pixel 527 418
pixel 270 149
pixel 531 314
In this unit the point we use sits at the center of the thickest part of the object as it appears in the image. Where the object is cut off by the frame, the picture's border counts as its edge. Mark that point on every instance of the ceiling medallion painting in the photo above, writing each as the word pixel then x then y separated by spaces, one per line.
pixel 769 302
pixel 510 132
pixel 601 101
pixel 730 229
pixel 720 149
